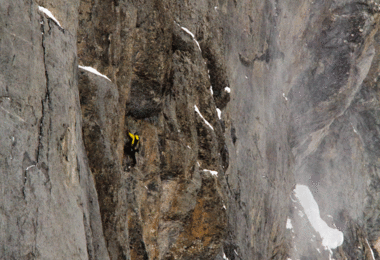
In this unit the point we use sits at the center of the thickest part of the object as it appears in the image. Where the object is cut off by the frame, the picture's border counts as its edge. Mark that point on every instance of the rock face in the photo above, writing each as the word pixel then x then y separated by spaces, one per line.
pixel 49 205
pixel 235 103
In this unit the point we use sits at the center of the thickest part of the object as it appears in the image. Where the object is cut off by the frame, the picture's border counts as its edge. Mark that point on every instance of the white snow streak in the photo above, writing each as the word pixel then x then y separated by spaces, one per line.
pixel 353 128
pixel 289 224
pixel 29 167
pixel 207 123
pixel 187 30
pixel 92 70
pixel 225 257
pixel 49 14
pixel 219 113
pixel 212 92
pixel 215 173
pixel 192 35
pixel 227 89
pixel 373 256
pixel 331 237
pixel 283 94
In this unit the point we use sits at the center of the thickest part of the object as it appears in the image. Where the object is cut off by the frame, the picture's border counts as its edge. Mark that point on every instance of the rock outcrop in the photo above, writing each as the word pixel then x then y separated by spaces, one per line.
pixel 235 103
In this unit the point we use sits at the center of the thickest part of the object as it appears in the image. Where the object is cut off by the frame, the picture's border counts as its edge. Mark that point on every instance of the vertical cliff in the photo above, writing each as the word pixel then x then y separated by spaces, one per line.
pixel 49 205
pixel 240 106
pixel 171 204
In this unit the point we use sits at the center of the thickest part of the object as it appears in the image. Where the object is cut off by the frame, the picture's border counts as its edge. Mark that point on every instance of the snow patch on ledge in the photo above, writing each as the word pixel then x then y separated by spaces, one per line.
pixel 289 223
pixel 215 173
pixel 207 123
pixel 49 14
pixel 353 128
pixel 92 70
pixel 31 166
pixel 219 113
pixel 227 89
pixel 331 237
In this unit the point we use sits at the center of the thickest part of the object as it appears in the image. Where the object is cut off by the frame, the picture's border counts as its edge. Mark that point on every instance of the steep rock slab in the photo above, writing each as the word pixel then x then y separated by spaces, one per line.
pixel 49 202
pixel 260 175
pixel 99 104
pixel 105 42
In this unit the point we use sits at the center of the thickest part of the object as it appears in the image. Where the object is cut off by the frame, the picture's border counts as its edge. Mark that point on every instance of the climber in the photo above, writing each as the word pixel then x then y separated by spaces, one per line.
pixel 132 146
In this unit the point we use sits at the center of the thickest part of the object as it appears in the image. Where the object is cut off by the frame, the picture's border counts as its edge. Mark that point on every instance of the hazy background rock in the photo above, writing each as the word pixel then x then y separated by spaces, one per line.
pixel 297 66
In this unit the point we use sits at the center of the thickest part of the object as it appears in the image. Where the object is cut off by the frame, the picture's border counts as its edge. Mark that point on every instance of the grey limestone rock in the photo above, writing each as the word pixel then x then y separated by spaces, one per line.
pixel 235 102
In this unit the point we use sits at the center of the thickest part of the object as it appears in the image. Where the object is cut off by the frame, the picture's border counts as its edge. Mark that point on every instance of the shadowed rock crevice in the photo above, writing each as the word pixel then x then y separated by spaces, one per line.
pixel 45 102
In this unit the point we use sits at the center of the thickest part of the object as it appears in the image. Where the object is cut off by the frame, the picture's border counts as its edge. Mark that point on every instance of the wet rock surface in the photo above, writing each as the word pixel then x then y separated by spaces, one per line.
pixel 235 103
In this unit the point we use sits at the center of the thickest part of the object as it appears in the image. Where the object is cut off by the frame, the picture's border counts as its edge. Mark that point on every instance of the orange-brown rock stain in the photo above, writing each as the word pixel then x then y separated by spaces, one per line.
pixel 203 234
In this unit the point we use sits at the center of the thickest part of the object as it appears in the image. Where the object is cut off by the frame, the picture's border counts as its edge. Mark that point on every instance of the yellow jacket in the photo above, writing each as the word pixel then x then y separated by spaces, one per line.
pixel 135 138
